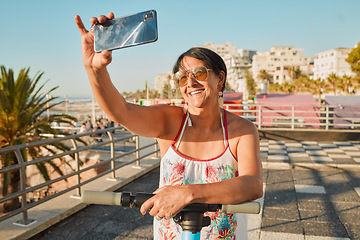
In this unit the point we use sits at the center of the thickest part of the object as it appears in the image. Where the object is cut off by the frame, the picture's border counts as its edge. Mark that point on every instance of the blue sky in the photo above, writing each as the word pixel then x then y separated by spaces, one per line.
pixel 42 34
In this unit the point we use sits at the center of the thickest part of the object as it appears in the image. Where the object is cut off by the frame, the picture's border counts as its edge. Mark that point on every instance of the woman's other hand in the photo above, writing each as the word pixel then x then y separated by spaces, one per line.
pixel 91 59
pixel 167 202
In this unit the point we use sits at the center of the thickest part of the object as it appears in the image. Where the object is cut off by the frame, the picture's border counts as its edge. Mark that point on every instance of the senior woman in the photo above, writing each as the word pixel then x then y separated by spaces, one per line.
pixel 208 155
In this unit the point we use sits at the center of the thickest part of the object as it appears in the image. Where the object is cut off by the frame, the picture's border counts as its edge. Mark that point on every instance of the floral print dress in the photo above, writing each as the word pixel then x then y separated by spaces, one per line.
pixel 177 169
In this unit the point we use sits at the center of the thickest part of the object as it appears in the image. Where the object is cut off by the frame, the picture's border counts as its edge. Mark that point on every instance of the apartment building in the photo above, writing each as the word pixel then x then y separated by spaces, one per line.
pixel 236 61
pixel 280 62
pixel 332 61
pixel 222 49
pixel 161 80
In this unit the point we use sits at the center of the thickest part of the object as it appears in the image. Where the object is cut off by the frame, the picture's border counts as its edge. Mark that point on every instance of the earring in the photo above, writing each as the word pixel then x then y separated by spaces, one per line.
pixel 220 92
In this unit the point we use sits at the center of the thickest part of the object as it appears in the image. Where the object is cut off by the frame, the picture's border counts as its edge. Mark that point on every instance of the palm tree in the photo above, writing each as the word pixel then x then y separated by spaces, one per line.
pixel 319 87
pixel 264 75
pixel 287 88
pixel 294 73
pixel 250 83
pixel 349 84
pixel 22 107
pixel 335 82
pixel 301 84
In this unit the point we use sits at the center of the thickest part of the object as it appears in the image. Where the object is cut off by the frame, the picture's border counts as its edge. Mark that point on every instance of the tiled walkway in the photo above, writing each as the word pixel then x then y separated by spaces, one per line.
pixel 312 190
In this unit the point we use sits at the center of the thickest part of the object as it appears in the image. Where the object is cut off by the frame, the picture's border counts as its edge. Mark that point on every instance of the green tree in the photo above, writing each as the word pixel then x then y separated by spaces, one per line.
pixel 287 88
pixel 354 60
pixel 319 87
pixel 275 88
pixel 264 75
pixel 335 82
pixel 250 83
pixel 294 73
pixel 302 84
pixel 22 106
pixel 349 84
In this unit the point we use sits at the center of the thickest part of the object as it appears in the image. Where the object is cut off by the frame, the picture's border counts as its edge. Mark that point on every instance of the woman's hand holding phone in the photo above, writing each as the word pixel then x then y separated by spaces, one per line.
pixel 91 59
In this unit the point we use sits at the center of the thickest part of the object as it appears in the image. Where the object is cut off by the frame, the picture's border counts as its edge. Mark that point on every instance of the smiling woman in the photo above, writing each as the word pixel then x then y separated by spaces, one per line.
pixel 208 155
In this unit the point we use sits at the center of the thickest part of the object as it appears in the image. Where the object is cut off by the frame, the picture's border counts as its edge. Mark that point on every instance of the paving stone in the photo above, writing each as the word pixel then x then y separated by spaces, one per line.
pixel 349 148
pixel 314 205
pixel 318 216
pixel 281 214
pixel 298 154
pixel 321 159
pixel 353 154
pixel 309 142
pixel 280 236
pixel 333 150
pixel 337 143
pixel 264 149
pixel 278 157
pixel 312 147
pixel 316 153
pixel 310 189
pixel 276 225
pixel 327 145
pixel 295 150
pixel 328 229
pixel 277 152
pixel 291 144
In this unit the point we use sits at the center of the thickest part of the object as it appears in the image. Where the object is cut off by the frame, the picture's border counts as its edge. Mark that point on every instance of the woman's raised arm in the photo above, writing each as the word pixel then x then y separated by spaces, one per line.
pixel 146 121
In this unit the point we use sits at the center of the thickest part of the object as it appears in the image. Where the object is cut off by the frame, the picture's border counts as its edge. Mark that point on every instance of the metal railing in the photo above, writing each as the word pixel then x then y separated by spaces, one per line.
pixel 75 150
pixel 299 116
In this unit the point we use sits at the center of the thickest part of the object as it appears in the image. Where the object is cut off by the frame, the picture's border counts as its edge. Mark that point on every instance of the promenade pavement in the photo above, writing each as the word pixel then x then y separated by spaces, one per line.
pixel 312 192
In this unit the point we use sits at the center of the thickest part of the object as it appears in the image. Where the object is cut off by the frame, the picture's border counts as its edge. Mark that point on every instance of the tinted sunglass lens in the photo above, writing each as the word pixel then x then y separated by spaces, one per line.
pixel 200 73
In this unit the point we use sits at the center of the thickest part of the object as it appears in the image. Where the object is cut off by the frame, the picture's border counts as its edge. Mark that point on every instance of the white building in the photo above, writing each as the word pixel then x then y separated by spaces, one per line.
pixel 221 49
pixel 236 61
pixel 332 61
pixel 161 80
pixel 280 61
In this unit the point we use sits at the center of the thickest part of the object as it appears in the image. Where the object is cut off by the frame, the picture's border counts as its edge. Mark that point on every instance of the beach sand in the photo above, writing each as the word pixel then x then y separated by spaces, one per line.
pixel 80 110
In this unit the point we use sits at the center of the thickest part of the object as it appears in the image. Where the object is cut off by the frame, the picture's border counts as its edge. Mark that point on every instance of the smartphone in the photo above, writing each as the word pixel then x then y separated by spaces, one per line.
pixel 128 31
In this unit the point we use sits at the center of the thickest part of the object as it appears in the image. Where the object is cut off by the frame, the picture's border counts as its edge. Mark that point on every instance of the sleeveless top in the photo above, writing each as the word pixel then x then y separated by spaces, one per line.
pixel 177 169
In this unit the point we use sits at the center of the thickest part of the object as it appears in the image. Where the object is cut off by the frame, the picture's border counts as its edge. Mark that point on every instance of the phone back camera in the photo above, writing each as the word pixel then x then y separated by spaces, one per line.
pixel 148 16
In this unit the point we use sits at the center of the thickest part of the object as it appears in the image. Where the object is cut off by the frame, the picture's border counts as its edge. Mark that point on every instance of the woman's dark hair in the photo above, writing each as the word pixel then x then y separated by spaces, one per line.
pixel 211 59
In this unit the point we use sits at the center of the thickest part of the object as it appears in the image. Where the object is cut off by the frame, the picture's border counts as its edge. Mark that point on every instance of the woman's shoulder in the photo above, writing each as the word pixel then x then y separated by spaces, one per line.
pixel 173 118
pixel 239 126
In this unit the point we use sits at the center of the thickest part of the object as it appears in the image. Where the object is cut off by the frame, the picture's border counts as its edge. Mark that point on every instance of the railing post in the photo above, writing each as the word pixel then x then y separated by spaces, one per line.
pixel 112 154
pixel 156 149
pixel 292 117
pixel 327 117
pixel 77 161
pixel 25 221
pixel 259 117
pixel 137 142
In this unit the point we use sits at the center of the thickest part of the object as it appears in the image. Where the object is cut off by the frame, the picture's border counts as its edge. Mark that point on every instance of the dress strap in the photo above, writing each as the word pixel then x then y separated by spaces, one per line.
pixel 182 131
pixel 224 127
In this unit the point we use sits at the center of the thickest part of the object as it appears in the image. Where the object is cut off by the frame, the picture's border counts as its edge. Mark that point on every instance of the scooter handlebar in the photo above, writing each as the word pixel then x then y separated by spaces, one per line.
pixel 105 198
pixel 128 200
pixel 245 207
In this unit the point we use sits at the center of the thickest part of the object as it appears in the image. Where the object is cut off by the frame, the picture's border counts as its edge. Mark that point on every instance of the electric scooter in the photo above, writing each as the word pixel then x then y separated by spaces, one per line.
pixel 191 218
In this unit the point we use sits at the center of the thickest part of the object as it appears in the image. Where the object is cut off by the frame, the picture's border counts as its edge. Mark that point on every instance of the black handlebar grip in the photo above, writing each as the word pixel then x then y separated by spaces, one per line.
pixel 140 198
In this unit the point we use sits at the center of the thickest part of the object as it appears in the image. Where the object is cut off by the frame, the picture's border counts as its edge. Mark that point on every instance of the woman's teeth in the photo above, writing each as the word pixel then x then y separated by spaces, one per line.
pixel 196 92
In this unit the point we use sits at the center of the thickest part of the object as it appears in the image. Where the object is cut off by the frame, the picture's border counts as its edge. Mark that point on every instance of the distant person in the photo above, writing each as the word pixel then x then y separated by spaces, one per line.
pixel 209 155
pixel 88 125
pixel 83 129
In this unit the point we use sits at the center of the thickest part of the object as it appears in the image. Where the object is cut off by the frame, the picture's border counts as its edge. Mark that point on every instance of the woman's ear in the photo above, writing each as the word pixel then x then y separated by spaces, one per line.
pixel 222 78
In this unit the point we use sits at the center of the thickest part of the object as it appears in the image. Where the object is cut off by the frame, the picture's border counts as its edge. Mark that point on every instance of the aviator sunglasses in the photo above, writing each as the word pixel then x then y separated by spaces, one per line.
pixel 200 73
